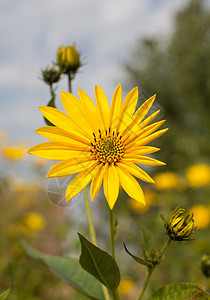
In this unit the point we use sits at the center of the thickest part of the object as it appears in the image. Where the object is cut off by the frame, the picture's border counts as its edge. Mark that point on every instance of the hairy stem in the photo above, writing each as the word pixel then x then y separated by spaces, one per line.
pixel 149 273
pixel 150 270
pixel 112 233
pixel 92 233
pixel 69 82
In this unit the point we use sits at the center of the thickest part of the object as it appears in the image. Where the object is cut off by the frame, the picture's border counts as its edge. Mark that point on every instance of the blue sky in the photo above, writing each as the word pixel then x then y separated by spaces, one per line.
pixel 105 32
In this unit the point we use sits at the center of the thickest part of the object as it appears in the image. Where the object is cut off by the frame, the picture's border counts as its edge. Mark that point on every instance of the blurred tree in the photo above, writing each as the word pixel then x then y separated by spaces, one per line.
pixel 178 70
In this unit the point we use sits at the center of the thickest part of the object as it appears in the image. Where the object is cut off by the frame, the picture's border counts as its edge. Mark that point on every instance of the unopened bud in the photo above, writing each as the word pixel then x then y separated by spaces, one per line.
pixel 68 59
pixel 152 256
pixel 180 225
pixel 50 75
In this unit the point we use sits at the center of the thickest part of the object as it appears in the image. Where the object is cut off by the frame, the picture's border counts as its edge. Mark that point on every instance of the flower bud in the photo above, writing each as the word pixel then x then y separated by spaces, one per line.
pixel 50 75
pixel 68 59
pixel 152 256
pixel 180 225
pixel 205 265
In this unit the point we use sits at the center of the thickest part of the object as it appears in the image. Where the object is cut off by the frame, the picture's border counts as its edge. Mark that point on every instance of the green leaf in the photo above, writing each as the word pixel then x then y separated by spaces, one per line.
pixel 138 259
pixel 5 294
pixel 69 270
pixel 180 291
pixel 99 263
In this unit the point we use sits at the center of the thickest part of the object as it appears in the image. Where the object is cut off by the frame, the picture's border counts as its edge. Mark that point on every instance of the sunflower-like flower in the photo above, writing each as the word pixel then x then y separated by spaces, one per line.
pixel 103 144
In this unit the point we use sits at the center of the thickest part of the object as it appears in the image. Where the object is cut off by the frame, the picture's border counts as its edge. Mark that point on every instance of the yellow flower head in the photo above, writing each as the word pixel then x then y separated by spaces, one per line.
pixel 198 175
pixel 103 143
pixel 68 59
pixel 201 215
pixel 14 152
pixel 126 286
pixel 166 180
pixel 34 222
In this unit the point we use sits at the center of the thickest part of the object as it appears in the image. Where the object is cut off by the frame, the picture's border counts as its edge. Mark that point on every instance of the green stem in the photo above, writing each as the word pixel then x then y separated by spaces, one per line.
pixel 89 216
pixel 92 233
pixel 149 273
pixel 69 82
pixel 111 219
pixel 150 270
pixel 164 248
pixel 112 234
pixel 51 90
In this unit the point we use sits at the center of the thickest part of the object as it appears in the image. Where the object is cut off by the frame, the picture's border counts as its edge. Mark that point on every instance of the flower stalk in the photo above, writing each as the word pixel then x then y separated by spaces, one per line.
pixel 69 82
pixel 112 236
pixel 149 273
pixel 151 269
pixel 112 231
pixel 89 216
pixel 92 233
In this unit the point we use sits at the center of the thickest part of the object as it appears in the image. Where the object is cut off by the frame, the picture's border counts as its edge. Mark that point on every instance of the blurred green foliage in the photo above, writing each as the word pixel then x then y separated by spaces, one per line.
pixel 178 70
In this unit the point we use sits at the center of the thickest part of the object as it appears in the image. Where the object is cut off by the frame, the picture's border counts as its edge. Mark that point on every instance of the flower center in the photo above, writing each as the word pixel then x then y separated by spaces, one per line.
pixel 108 148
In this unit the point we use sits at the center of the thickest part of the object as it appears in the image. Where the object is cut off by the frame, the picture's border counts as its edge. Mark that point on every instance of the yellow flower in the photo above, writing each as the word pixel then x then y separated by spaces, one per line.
pixel 198 175
pixel 14 152
pixel 201 215
pixel 103 144
pixel 166 180
pixel 126 286
pixel 34 222
pixel 68 59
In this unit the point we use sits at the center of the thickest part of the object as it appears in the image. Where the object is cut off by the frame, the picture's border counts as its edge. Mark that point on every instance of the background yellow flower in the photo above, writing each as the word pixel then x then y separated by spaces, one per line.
pixel 34 222
pixel 126 286
pixel 198 175
pixel 14 152
pixel 201 215
pixel 166 180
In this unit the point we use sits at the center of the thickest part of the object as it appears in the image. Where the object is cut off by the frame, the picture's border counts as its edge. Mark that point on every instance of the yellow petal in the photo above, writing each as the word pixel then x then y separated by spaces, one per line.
pixel 73 107
pixel 130 185
pixel 139 115
pixel 151 137
pixel 90 110
pixel 149 119
pixel 97 181
pixel 70 166
pixel 56 134
pixel 136 171
pixel 102 105
pixel 80 181
pixel 140 150
pixel 127 109
pixel 115 108
pixel 143 160
pixel 142 133
pixel 111 185
pixel 150 129
pixel 61 120
pixel 57 151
